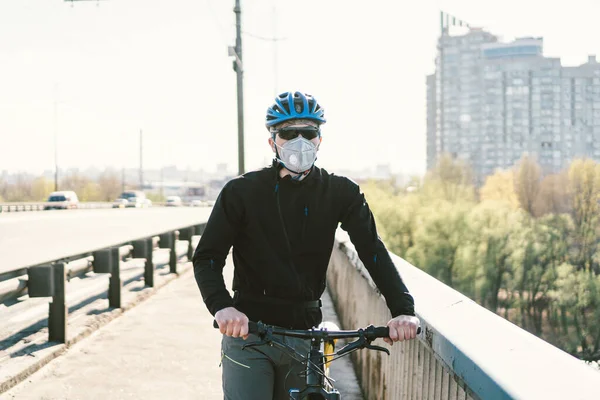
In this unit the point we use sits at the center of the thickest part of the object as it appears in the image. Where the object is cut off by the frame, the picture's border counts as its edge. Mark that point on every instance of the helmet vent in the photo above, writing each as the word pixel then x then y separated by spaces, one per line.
pixel 294 105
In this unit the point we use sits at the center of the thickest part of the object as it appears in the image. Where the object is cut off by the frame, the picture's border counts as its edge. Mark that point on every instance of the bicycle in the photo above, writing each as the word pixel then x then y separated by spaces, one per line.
pixel 319 386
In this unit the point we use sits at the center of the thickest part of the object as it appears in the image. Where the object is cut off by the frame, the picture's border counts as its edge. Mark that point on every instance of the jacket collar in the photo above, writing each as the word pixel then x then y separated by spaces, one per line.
pixel 312 176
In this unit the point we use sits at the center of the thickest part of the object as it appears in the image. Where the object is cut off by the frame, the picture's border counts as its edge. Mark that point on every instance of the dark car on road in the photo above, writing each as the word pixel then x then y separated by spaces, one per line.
pixel 134 198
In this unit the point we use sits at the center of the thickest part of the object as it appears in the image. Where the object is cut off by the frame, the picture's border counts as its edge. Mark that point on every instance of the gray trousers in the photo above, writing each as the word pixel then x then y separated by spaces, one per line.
pixel 262 372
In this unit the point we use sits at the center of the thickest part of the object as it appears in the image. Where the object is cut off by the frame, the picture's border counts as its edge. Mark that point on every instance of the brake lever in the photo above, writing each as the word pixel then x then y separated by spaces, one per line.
pixel 266 339
pixel 357 344
pixel 254 344
pixel 379 348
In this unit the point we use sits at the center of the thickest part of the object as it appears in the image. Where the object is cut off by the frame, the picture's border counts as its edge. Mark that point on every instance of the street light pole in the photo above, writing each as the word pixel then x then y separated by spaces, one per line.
pixel 238 68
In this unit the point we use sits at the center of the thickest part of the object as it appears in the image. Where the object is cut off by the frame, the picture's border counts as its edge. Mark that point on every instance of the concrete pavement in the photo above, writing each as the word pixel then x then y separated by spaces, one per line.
pixel 164 348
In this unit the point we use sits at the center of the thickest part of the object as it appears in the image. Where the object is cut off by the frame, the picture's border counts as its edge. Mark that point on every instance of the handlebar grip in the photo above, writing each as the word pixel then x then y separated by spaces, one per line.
pixel 384 331
pixel 252 326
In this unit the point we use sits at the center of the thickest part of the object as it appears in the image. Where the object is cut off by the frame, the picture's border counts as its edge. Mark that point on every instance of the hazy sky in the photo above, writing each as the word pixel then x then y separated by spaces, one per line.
pixel 114 67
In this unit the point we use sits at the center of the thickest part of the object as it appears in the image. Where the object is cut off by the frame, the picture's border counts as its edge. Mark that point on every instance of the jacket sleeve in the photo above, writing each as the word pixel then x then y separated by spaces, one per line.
pixel 213 248
pixel 357 219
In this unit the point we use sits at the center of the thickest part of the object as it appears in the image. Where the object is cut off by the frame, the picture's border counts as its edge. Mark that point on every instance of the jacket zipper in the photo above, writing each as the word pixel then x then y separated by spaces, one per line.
pixel 287 241
pixel 304 222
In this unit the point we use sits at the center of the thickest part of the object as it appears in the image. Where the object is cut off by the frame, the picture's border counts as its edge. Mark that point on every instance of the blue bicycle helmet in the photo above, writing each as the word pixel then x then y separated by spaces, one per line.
pixel 304 106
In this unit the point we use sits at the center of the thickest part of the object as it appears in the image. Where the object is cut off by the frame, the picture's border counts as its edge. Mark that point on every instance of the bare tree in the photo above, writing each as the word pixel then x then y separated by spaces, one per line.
pixel 452 177
pixel 109 185
pixel 553 196
pixel 20 190
pixel 86 189
pixel 41 188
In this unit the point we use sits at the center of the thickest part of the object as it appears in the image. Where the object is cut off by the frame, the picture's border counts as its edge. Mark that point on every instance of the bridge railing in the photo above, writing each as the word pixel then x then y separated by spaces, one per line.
pixel 464 350
pixel 50 279
pixel 40 206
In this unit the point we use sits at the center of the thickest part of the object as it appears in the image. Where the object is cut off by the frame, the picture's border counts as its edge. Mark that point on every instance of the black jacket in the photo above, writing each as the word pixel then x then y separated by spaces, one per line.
pixel 282 232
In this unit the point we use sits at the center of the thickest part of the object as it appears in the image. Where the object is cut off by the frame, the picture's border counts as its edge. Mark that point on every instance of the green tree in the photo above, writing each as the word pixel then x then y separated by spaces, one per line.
pixel 496 230
pixel 439 234
pixel 584 187
pixel 394 215
pixel 544 246
pixel 528 176
pixel 578 292
pixel 500 187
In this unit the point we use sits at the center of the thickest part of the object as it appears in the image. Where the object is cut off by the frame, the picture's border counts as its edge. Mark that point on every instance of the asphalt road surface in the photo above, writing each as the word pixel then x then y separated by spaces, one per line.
pixel 33 238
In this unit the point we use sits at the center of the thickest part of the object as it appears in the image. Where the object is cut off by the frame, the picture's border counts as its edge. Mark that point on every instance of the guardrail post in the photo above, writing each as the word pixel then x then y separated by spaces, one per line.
pixel 142 248
pixel 58 311
pixel 114 283
pixel 50 280
pixel 40 281
pixel 186 234
pixel 168 241
pixel 102 262
pixel 107 261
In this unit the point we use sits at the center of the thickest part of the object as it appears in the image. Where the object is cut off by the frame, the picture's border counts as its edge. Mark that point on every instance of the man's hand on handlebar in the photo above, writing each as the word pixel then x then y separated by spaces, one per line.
pixel 232 322
pixel 402 327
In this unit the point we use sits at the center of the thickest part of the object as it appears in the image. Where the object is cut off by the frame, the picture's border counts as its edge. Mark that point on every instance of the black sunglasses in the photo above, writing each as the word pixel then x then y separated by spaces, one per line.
pixel 308 132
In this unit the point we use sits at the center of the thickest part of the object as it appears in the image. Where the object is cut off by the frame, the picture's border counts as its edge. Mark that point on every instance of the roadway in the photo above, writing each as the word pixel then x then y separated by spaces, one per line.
pixel 37 237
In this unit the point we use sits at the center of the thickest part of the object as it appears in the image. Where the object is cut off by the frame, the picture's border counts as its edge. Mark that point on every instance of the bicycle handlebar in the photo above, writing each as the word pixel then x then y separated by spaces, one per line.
pixel 370 333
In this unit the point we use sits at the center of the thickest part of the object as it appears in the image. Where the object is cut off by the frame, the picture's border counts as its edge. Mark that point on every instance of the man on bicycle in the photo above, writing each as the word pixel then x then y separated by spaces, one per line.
pixel 281 221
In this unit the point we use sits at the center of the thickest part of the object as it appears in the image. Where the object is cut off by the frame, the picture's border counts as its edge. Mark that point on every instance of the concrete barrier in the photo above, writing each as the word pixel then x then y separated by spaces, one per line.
pixel 463 352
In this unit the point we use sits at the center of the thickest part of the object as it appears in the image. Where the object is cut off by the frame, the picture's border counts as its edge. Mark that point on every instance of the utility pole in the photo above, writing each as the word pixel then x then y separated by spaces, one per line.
pixel 239 69
pixel 141 168
pixel 275 68
pixel 162 183
pixel 122 179
pixel 55 145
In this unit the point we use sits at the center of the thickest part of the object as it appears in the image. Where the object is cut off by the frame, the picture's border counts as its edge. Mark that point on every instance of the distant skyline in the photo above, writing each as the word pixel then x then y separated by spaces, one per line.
pixel 173 173
pixel 114 67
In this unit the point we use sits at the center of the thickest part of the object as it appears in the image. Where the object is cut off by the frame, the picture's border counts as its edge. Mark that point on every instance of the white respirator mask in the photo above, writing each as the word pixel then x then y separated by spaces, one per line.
pixel 298 154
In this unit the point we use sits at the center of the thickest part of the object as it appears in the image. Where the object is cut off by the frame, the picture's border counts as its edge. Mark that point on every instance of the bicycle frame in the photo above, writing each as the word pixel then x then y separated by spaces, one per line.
pixel 316 386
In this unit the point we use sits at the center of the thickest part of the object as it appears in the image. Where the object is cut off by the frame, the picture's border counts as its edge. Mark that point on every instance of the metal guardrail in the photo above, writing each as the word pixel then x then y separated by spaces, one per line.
pixel 464 351
pixel 41 206
pixel 50 279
